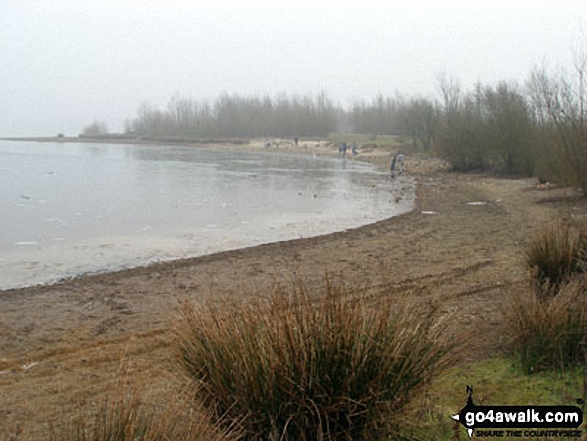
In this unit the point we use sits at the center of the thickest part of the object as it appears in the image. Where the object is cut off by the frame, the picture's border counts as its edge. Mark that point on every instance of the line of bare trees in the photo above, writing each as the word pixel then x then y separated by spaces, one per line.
pixel 283 116
pixel 486 128
pixel 238 116
pixel 538 129
pixel 415 118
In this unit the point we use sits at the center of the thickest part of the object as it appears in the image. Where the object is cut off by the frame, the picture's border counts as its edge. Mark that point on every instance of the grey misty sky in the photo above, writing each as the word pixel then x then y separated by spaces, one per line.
pixel 65 63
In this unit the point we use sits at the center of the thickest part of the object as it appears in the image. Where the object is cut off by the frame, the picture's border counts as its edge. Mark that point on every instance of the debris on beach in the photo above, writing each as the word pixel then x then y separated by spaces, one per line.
pixel 544 185
pixel 88 306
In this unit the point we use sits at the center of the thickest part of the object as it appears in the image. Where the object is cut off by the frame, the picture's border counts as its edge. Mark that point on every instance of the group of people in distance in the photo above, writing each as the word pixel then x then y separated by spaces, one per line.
pixel 397 163
pixel 397 160
pixel 342 148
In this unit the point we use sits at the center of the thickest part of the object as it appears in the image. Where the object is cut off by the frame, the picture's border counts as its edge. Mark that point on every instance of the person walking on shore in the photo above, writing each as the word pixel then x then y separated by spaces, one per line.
pixel 400 162
pixel 392 166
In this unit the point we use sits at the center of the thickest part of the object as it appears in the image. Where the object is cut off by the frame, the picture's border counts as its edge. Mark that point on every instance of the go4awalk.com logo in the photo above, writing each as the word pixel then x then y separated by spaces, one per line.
pixel 520 421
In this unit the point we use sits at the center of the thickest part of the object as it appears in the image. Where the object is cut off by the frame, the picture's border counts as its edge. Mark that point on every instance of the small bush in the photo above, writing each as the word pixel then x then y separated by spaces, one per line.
pixel 549 331
pixel 556 253
pixel 289 369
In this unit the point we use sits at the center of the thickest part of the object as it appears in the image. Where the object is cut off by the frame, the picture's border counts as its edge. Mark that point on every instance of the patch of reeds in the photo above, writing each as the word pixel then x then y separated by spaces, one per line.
pixel 556 253
pixel 126 418
pixel 549 331
pixel 287 368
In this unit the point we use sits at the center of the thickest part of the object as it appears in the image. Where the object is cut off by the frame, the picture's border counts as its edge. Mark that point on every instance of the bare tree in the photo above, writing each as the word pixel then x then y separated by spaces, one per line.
pixel 95 129
pixel 560 114
pixel 417 118
pixel 509 129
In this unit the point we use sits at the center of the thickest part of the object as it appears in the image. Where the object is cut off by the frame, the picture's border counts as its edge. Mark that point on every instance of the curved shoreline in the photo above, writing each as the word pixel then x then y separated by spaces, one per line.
pixel 465 258
pixel 180 262
pixel 153 262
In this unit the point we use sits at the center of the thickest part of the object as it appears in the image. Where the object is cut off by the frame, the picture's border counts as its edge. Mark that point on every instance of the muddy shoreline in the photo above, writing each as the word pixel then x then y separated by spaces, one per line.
pixel 62 223
pixel 62 345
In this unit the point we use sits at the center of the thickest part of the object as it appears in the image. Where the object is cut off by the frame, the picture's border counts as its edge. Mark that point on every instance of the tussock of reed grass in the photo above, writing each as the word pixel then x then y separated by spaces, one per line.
pixel 126 418
pixel 549 330
pixel 557 252
pixel 290 369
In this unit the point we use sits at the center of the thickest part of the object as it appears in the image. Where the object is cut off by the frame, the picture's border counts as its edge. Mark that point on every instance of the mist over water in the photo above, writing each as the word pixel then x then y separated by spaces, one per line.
pixel 69 209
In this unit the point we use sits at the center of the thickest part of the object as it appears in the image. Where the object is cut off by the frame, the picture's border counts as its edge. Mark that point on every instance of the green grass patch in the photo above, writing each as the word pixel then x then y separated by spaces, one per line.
pixel 496 381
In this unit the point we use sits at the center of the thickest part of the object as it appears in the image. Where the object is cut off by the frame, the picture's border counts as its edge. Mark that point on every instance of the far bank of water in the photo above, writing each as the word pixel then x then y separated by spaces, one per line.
pixel 69 209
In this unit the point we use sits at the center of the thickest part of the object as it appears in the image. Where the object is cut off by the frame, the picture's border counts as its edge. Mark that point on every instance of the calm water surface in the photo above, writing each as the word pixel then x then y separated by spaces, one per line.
pixel 68 209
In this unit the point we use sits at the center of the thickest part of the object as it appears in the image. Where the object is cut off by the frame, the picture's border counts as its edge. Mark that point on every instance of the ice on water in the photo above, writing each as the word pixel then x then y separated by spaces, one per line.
pixel 101 207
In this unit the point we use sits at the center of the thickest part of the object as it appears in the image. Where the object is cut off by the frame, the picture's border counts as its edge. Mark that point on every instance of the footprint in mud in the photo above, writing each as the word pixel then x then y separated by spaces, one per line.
pixel 121 307
pixel 27 329
pixel 105 325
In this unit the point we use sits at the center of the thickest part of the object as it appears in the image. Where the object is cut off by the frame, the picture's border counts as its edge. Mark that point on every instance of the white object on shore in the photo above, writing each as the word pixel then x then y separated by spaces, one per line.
pixel 428 212
pixel 477 203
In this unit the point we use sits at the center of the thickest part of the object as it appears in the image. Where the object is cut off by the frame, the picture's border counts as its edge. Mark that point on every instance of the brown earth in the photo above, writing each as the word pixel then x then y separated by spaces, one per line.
pixel 62 346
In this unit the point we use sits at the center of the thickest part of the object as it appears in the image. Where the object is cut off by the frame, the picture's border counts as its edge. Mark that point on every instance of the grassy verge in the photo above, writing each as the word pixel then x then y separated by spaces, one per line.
pixel 496 381
pixel 125 417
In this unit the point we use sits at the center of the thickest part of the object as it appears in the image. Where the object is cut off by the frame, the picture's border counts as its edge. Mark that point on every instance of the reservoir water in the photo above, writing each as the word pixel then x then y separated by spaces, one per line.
pixel 68 209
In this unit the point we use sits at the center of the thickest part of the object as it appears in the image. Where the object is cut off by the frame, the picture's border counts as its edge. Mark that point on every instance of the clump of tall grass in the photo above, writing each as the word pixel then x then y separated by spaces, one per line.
pixel 288 368
pixel 548 322
pixel 126 418
pixel 549 331
pixel 557 252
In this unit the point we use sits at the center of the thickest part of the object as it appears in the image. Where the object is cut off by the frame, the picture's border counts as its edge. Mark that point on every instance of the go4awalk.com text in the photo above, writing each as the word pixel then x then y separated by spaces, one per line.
pixel 520 421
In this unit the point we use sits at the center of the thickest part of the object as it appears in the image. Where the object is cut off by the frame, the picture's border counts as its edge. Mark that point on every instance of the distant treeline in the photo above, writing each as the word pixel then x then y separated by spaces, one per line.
pixel 258 117
pixel 539 129
pixel 238 116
